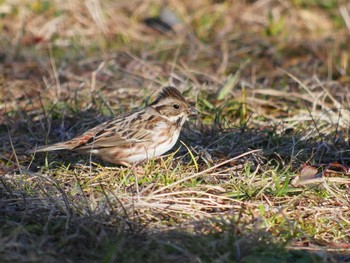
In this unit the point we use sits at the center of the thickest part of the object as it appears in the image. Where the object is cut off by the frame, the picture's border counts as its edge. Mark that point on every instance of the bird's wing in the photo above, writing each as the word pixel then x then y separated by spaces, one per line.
pixel 130 128
pixel 124 130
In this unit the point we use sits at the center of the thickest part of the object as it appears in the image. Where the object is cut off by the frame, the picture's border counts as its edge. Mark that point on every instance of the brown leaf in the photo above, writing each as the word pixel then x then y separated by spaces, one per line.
pixel 309 174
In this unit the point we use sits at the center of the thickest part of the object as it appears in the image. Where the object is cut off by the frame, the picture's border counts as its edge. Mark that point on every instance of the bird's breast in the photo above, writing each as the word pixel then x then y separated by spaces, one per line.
pixel 164 138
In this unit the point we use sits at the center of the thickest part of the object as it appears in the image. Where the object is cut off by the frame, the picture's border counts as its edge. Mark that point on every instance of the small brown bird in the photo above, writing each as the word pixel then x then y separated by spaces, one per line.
pixel 134 136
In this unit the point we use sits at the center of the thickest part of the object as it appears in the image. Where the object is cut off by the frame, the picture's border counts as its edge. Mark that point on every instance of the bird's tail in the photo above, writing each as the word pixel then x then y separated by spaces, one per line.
pixel 53 147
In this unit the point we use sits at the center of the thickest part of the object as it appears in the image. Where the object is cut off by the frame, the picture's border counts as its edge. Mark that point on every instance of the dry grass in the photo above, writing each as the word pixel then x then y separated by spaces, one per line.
pixel 270 79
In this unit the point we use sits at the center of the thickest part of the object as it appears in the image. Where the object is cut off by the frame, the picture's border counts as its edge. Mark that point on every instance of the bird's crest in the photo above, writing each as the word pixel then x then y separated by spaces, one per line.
pixel 169 92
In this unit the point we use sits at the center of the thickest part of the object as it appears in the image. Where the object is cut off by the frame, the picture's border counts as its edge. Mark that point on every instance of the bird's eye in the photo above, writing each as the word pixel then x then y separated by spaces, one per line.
pixel 176 106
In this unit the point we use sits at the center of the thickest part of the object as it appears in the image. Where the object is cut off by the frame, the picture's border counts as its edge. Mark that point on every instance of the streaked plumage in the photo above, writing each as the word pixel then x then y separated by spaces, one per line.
pixel 134 136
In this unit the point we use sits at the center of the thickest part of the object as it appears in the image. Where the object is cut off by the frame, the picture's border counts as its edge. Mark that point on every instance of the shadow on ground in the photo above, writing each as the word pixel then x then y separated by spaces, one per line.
pixel 47 230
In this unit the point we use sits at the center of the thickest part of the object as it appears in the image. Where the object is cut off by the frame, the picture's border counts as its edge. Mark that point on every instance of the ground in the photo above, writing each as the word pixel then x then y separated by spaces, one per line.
pixel 261 175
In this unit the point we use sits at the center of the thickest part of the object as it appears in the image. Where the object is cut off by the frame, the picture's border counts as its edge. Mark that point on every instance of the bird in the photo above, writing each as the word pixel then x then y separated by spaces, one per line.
pixel 135 136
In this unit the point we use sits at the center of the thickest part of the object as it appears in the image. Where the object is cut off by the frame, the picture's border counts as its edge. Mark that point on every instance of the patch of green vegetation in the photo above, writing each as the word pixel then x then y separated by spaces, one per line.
pixel 209 22
pixel 276 26
pixel 40 6
pixel 326 4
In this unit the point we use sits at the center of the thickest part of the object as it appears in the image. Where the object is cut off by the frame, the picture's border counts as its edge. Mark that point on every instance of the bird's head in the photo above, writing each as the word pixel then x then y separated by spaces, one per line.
pixel 171 104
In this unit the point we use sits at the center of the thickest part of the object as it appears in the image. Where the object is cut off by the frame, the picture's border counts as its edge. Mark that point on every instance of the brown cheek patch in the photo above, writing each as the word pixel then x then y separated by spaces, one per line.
pixel 161 109
pixel 169 110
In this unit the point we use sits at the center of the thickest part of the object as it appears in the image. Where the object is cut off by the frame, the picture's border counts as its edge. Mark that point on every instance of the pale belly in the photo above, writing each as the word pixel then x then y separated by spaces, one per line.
pixel 142 152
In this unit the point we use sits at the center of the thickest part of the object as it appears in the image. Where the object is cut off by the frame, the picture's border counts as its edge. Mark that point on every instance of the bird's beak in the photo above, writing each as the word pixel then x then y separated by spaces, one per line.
pixel 192 111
